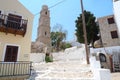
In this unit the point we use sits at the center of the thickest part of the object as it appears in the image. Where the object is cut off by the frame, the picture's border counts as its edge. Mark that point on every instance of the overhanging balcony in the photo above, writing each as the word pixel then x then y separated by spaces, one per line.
pixel 13 24
pixel 12 69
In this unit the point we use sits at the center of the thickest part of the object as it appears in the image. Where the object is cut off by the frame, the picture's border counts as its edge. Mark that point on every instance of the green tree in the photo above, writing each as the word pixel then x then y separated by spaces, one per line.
pixel 92 28
pixel 58 36
pixel 65 45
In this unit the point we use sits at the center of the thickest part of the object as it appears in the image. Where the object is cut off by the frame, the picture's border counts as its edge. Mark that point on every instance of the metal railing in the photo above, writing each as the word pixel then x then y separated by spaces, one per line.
pixel 15 23
pixel 12 23
pixel 116 66
pixel 20 68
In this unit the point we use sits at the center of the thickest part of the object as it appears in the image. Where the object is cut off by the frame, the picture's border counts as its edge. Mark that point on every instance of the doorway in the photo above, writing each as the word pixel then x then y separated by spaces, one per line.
pixel 11 53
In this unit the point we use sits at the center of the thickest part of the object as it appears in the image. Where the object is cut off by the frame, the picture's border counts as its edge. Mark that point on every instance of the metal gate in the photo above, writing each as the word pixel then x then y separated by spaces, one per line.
pixel 116 66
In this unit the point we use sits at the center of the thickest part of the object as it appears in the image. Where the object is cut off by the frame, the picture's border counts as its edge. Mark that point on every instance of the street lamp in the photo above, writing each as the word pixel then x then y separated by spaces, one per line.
pixel 85 34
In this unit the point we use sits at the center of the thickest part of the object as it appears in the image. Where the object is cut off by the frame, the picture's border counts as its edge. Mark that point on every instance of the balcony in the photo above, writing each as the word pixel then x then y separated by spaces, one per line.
pixel 13 24
pixel 12 69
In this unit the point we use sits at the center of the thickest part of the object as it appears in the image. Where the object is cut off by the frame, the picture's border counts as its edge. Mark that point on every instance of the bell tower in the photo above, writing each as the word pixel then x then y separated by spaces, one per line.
pixel 43 33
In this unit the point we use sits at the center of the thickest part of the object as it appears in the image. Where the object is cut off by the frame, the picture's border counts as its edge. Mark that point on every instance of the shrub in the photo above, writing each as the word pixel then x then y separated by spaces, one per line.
pixel 48 58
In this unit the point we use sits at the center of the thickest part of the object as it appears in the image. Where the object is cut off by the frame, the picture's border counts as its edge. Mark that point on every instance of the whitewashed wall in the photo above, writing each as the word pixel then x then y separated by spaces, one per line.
pixel 94 64
pixel 114 51
pixel 74 53
pixel 116 7
pixel 37 57
pixel 102 74
pixel 109 50
pixel 99 73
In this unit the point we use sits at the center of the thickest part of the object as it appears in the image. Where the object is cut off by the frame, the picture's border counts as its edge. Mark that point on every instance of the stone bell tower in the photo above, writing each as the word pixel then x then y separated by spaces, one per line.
pixel 43 33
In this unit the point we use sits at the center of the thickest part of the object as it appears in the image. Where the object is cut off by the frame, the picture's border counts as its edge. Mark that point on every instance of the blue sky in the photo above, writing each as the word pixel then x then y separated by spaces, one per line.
pixel 67 12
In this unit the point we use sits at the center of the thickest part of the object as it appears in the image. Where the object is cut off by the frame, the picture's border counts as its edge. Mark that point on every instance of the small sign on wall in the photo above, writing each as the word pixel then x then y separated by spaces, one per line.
pixel 26 55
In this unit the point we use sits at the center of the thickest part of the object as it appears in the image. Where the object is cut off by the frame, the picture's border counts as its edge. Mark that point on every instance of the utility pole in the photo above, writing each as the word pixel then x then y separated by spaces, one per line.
pixel 85 34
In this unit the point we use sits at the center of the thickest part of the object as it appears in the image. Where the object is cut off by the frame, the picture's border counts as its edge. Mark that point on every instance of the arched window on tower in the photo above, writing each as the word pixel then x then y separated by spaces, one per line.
pixel 46 12
pixel 45 33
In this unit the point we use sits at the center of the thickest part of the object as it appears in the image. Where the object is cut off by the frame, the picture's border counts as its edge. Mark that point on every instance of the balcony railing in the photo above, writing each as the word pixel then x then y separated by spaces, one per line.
pixel 13 25
pixel 15 69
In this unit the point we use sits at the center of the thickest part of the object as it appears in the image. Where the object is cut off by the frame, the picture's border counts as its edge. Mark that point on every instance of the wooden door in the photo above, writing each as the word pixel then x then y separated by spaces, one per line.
pixel 11 53
pixel 111 63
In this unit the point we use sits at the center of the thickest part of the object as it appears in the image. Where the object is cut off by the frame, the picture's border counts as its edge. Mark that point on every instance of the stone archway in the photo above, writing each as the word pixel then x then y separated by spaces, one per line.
pixel 103 60
pixel 102 57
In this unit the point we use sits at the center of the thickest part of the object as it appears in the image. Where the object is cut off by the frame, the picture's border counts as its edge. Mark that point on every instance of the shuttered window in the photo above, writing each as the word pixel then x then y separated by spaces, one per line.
pixel 111 20
pixel 11 53
pixel 114 34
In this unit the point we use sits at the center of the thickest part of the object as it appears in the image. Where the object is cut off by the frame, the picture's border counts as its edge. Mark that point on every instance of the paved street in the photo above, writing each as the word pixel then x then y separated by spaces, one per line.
pixel 115 76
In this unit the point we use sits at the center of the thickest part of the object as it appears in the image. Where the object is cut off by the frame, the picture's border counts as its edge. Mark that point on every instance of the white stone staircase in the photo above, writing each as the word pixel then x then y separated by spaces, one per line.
pixel 65 70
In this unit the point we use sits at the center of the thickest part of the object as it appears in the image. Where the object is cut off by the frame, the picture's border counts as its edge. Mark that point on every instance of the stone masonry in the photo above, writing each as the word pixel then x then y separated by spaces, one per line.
pixel 43 34
pixel 108 31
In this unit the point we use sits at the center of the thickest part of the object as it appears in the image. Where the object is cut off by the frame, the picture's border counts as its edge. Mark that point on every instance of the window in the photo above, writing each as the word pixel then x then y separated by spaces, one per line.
pixel 114 34
pixel 111 20
pixel 45 33
pixel 46 12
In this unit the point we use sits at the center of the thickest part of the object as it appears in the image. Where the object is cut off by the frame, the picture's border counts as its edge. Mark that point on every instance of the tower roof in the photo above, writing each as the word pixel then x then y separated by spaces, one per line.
pixel 44 7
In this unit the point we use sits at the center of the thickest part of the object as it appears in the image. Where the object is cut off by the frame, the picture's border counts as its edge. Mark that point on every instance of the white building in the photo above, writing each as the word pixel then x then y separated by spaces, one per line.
pixel 116 7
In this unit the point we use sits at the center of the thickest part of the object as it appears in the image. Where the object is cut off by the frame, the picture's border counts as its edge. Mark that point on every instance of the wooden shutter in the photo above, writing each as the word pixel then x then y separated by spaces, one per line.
pixel 11 54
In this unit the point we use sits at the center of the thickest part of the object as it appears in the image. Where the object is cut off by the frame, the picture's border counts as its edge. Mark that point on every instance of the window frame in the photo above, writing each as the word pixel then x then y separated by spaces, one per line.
pixel 114 34
pixel 5 46
pixel 111 20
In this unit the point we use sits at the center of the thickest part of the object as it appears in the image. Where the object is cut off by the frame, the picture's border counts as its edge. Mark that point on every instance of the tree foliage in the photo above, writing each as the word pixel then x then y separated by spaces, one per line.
pixel 92 28
pixel 65 45
pixel 58 35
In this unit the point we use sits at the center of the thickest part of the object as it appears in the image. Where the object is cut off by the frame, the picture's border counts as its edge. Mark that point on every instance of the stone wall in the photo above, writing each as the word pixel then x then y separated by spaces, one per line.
pixel 116 8
pixel 43 32
pixel 37 57
pixel 105 31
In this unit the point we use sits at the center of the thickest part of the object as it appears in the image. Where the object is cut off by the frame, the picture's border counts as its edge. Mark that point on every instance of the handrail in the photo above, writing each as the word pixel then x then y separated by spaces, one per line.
pixel 20 68
pixel 12 24
pixel 116 66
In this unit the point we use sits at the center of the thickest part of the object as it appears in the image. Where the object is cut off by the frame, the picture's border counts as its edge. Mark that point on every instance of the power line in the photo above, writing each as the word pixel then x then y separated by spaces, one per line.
pixel 53 6
pixel 57 4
